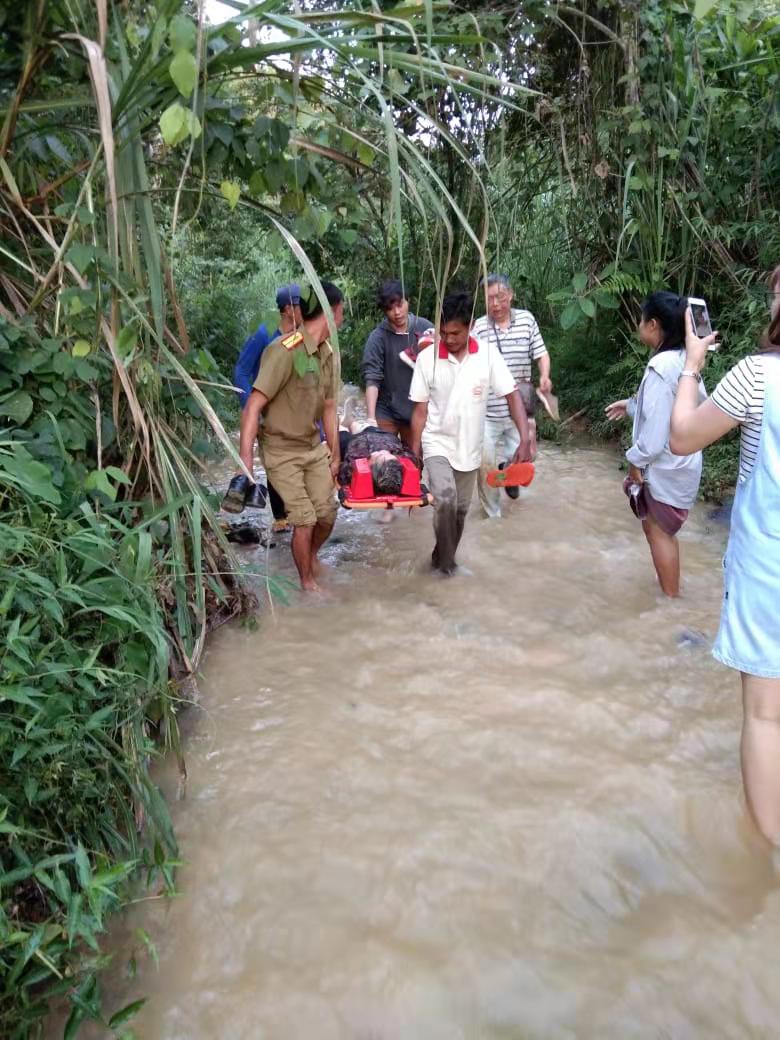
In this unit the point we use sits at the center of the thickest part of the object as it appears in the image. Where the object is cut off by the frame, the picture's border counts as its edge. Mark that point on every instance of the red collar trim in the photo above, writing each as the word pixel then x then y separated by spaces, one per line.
pixel 473 348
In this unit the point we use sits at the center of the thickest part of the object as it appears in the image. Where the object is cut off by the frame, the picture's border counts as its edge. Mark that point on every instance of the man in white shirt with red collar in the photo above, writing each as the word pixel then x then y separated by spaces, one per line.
pixel 450 389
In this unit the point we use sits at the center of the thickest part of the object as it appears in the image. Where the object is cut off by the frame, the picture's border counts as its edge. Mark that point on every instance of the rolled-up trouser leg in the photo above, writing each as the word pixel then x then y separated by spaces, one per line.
pixel 451 492
pixel 499 445
pixel 464 484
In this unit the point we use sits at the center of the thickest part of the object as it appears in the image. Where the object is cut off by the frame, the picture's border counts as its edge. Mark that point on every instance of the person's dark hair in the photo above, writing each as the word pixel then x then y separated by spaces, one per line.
pixel 457 306
pixel 770 341
pixel 311 306
pixel 388 292
pixel 388 477
pixel 668 309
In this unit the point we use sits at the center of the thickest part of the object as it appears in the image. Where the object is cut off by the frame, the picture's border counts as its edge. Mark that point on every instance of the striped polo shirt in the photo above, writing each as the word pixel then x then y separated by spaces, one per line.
pixel 740 394
pixel 520 344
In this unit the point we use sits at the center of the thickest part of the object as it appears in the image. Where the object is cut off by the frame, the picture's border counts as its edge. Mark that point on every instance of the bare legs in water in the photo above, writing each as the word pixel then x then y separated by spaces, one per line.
pixel 306 543
pixel 760 751
pixel 665 550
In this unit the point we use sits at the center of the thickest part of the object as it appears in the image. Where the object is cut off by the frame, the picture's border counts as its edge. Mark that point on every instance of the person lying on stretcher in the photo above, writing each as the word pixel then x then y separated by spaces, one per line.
pixel 382 449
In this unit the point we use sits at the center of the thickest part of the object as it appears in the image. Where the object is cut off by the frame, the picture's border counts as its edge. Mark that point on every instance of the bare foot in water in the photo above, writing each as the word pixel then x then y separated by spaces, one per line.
pixel 310 586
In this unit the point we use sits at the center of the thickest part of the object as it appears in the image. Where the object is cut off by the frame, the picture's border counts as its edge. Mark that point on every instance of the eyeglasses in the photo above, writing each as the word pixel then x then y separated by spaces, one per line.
pixel 770 296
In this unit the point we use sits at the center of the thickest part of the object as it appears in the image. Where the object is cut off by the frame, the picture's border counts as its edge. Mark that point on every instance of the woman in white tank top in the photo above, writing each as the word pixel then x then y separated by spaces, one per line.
pixel 749 634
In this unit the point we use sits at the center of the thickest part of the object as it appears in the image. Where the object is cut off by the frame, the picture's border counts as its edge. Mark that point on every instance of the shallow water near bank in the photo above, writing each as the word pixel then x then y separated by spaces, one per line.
pixel 502 805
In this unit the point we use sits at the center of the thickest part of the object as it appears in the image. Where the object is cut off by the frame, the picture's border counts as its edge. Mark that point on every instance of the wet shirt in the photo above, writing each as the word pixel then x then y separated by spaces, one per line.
pixel 519 345
pixel 457 395
pixel 297 377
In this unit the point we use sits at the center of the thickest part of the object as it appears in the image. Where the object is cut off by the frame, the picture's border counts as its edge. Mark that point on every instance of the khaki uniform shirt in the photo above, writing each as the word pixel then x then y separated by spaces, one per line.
pixel 296 397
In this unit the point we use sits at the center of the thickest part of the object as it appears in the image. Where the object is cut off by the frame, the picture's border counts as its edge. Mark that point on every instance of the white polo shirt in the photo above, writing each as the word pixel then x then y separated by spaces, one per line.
pixel 457 395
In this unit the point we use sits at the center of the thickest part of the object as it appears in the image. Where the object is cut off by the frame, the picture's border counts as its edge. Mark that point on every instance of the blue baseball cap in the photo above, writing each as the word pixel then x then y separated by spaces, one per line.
pixel 287 294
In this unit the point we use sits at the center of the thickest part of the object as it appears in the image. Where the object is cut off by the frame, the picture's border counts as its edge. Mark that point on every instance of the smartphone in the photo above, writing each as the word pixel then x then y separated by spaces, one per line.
pixel 701 319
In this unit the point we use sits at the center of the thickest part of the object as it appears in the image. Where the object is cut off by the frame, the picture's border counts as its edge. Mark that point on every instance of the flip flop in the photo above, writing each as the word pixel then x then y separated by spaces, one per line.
pixel 550 404
pixel 518 474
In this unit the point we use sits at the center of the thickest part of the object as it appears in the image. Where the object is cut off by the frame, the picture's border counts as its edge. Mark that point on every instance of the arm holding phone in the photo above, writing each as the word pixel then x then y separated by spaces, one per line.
pixel 695 425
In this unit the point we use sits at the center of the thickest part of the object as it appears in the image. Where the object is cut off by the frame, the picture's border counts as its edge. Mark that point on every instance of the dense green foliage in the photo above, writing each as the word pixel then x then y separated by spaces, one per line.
pixel 130 134
pixel 158 179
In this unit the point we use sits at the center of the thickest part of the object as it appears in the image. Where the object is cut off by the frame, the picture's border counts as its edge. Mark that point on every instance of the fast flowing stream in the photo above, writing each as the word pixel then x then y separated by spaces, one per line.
pixel 504 805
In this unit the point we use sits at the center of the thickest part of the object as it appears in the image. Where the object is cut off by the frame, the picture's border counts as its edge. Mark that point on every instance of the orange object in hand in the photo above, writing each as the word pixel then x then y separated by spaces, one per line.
pixel 518 474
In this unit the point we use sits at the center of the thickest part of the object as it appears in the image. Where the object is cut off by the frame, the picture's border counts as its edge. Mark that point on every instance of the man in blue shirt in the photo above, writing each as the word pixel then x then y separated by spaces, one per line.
pixel 288 300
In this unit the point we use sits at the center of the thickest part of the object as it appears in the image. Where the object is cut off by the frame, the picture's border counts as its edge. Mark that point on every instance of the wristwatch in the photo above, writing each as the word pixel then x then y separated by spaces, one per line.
pixel 690 372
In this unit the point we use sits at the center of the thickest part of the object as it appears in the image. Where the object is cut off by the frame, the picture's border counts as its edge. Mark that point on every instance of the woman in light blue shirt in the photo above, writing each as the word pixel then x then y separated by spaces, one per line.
pixel 749 634
pixel 661 486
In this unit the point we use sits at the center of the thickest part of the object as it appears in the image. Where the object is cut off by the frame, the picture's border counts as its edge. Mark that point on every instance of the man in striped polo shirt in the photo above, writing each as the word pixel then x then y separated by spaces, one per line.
pixel 516 335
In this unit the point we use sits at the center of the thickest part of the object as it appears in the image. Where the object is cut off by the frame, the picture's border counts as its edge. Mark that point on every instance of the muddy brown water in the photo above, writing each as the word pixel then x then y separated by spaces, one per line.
pixel 502 805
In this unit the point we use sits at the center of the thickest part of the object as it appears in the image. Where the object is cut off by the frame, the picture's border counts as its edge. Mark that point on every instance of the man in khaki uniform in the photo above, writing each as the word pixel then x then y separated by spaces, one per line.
pixel 296 386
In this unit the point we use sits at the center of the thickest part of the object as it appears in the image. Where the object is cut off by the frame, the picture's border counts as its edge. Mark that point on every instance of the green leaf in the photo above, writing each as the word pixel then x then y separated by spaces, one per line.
pixel 81 348
pixel 17 407
pixel 32 477
pixel 365 153
pixel 184 72
pixel 231 190
pixel 117 474
pixel 174 125
pixel 396 82
pixel 59 149
pixel 126 1013
pixel 570 315
pixel 579 281
pixel 193 124
pixel 587 306
pixel 73 1024
pixel 20 695
pixel 182 33
pixel 80 256
pixel 158 35
pixel 126 342
pixel 703 8
pixel 97 480
pixel 82 866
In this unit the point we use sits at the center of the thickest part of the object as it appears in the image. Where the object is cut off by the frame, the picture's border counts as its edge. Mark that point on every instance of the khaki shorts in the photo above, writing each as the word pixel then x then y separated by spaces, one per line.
pixel 302 479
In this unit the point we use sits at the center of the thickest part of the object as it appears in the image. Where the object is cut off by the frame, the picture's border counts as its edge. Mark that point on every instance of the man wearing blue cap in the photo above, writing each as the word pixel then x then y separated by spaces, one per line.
pixel 288 300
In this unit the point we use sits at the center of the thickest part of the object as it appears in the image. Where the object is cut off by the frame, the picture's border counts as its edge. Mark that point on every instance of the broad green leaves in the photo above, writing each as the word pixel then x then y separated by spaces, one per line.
pixel 703 8
pixel 184 72
pixel 231 191
pixel 177 123
pixel 182 33
pixel 19 470
pixel 17 407
pixel 81 256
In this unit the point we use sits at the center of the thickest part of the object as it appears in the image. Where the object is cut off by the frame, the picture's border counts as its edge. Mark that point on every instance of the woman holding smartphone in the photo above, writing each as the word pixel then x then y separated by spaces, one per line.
pixel 662 486
pixel 749 635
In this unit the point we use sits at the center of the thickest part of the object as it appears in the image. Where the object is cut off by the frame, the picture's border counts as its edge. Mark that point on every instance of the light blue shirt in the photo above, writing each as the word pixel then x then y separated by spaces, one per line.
pixel 672 479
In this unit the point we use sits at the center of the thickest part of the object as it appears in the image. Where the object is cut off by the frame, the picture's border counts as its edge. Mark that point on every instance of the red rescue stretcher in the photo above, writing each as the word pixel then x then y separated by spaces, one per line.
pixel 360 493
